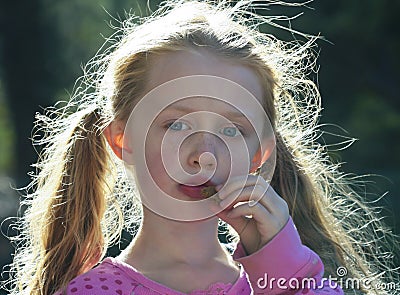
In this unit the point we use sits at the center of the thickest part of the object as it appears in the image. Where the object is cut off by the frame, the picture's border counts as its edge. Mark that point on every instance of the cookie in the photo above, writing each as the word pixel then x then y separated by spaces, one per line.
pixel 208 191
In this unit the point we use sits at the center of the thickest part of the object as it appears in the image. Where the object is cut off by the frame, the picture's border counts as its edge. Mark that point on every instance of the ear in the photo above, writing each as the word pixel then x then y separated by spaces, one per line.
pixel 114 134
pixel 261 157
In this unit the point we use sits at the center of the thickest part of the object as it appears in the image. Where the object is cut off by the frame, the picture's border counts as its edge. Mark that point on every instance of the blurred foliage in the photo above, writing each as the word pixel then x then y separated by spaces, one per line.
pixel 7 136
pixel 378 124
pixel 44 43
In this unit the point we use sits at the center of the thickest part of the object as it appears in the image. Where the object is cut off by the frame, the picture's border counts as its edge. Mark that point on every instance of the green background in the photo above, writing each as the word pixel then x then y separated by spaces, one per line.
pixel 44 43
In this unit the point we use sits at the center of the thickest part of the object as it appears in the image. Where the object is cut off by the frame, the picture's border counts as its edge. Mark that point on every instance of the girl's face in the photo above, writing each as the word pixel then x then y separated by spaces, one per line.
pixel 192 141
pixel 190 144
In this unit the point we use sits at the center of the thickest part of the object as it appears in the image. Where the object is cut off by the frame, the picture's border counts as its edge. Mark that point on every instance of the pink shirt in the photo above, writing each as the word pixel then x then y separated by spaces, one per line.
pixel 280 267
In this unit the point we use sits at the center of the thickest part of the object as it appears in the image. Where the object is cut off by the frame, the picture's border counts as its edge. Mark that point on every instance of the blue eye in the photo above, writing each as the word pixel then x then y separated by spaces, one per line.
pixel 230 131
pixel 178 126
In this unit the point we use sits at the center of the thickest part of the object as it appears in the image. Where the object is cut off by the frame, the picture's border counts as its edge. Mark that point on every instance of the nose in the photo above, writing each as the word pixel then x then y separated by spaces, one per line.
pixel 203 151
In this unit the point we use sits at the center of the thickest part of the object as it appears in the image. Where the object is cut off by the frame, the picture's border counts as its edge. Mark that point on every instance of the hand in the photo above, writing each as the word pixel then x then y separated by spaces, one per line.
pixel 253 209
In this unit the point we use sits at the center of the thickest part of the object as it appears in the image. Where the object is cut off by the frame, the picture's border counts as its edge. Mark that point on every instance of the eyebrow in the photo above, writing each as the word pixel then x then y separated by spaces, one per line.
pixel 187 110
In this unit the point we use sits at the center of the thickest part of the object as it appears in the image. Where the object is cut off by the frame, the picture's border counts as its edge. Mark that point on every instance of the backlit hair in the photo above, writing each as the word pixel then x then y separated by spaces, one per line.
pixel 80 198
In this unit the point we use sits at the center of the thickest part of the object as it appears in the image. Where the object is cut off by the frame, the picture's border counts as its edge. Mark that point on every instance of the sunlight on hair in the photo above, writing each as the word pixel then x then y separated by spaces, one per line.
pixel 79 201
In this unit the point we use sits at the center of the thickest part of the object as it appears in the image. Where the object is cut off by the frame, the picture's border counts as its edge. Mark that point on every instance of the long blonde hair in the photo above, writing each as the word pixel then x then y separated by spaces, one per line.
pixel 76 208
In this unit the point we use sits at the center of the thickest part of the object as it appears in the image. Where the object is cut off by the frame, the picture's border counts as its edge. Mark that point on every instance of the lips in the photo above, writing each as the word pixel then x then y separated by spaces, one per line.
pixel 194 192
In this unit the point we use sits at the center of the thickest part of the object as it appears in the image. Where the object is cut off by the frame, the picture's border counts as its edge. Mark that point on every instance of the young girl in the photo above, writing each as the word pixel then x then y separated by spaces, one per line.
pixel 206 119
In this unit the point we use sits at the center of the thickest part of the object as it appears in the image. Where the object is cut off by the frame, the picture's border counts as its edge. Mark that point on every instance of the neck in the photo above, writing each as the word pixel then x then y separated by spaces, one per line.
pixel 162 241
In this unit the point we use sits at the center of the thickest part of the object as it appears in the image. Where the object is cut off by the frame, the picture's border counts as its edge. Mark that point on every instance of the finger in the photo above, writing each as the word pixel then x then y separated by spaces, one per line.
pixel 265 224
pixel 257 194
pixel 258 212
pixel 238 183
pixel 251 194
pixel 275 203
pixel 267 197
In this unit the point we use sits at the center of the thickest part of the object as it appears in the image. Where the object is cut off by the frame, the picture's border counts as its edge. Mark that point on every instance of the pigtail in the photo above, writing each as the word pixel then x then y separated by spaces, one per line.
pixel 63 231
pixel 64 220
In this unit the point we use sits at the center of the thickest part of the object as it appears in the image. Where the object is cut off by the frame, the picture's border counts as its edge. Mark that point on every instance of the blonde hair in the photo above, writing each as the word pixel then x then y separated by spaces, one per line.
pixel 76 209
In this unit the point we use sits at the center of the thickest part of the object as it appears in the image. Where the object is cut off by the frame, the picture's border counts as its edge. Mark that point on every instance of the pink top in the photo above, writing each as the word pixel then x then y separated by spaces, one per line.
pixel 282 266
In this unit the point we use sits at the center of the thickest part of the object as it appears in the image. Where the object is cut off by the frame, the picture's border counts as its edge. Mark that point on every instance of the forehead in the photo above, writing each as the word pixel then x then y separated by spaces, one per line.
pixel 173 65
pixel 211 105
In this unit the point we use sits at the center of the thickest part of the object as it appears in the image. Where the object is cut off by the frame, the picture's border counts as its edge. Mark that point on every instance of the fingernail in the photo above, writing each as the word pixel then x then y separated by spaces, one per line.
pixel 252 203
pixel 221 195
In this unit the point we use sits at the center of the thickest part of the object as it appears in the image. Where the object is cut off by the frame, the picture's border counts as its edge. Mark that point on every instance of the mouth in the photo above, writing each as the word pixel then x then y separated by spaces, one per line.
pixel 198 192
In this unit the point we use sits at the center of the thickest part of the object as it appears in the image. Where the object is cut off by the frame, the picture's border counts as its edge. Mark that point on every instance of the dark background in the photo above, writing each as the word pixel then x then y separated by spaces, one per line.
pixel 44 43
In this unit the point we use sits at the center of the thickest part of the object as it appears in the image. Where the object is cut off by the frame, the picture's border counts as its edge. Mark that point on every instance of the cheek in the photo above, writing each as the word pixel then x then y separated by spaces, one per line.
pixel 153 152
pixel 155 166
pixel 252 145
pixel 159 152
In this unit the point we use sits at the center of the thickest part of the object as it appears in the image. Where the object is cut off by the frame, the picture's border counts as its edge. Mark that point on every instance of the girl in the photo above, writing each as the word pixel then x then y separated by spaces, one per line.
pixel 212 120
